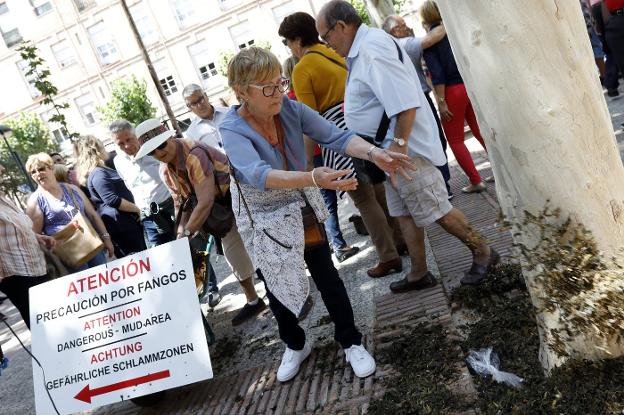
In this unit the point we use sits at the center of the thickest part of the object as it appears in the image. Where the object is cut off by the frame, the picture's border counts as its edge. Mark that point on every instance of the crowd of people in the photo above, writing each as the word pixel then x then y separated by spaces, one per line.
pixel 351 113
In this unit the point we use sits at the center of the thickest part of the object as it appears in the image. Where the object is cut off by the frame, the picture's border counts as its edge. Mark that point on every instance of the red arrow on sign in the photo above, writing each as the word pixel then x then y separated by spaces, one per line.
pixel 87 393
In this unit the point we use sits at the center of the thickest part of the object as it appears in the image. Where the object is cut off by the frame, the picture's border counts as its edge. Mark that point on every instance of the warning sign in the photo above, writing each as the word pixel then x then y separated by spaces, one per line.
pixel 118 331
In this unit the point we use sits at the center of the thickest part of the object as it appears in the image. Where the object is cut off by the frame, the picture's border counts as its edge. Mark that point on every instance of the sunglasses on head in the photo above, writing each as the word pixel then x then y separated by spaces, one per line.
pixel 160 147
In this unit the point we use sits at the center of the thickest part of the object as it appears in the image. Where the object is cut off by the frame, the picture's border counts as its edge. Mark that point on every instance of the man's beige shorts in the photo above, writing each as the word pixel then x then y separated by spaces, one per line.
pixel 424 198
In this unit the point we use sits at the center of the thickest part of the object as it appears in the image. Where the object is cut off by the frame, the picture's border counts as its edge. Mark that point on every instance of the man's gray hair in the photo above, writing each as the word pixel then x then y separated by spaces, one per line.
pixel 190 89
pixel 340 10
pixel 390 23
pixel 120 125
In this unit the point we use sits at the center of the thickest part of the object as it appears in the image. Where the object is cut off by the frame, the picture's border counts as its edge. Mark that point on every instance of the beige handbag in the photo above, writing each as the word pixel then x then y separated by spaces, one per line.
pixel 77 243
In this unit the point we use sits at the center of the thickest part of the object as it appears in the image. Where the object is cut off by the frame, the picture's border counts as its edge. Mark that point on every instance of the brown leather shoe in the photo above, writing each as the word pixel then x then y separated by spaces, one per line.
pixel 386 268
pixel 401 286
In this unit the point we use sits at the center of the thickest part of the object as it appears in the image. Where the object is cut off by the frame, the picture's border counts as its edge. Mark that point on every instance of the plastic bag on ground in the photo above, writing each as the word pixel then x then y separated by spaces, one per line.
pixel 485 362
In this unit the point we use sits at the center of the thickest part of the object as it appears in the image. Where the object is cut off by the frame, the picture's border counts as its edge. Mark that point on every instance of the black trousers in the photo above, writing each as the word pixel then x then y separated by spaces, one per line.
pixel 334 295
pixel 16 288
pixel 614 33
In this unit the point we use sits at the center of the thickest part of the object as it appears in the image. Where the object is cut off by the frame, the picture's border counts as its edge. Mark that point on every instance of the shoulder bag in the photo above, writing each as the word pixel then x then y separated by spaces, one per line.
pixel 221 217
pixel 314 232
pixel 77 243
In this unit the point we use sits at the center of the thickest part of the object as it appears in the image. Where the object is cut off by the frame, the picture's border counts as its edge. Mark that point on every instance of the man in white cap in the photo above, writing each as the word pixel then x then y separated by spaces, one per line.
pixel 192 168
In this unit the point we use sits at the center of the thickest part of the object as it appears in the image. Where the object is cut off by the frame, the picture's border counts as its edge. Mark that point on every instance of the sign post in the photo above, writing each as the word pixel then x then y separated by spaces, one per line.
pixel 117 331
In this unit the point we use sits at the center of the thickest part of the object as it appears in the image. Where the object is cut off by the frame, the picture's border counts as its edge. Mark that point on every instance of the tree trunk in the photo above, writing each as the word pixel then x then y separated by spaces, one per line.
pixel 530 73
pixel 378 10
pixel 150 69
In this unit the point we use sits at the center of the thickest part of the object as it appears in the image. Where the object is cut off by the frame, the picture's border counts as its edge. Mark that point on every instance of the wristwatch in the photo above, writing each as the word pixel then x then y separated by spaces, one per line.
pixel 399 141
pixel 186 233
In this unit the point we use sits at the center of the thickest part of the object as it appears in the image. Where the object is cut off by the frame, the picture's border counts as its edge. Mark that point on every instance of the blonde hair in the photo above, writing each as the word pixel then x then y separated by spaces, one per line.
pixel 89 153
pixel 251 65
pixel 429 13
pixel 61 173
pixel 288 66
pixel 39 159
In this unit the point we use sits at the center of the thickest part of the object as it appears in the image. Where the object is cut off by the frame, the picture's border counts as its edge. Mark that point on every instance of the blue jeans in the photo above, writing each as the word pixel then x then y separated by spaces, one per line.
pixel 99 259
pixel 332 226
pixel 155 234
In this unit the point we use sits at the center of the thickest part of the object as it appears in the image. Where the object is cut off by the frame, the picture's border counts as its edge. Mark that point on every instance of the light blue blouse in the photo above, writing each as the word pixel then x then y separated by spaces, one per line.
pixel 253 157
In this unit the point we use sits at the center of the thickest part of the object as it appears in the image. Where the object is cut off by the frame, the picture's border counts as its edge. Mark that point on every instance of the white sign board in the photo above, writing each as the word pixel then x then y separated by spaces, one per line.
pixel 118 331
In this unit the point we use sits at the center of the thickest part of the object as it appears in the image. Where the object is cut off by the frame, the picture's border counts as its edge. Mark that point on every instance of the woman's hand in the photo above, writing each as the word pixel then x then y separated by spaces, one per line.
pixel 108 245
pixel 392 162
pixel 445 114
pixel 330 179
pixel 46 241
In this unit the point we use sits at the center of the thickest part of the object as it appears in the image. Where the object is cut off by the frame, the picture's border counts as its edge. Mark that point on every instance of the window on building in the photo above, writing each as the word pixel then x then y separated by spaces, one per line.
pixel 168 84
pixel 241 35
pixel 184 12
pixel 83 5
pixel 8 27
pixel 56 131
pixel 64 54
pixel 41 7
pixel 166 79
pixel 29 79
pixel 144 22
pixel 208 70
pixel 283 10
pixel 86 106
pixel 104 44
pixel 204 63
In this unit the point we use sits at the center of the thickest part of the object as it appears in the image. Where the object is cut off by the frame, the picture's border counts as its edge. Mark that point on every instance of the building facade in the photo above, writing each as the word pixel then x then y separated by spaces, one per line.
pixel 88 44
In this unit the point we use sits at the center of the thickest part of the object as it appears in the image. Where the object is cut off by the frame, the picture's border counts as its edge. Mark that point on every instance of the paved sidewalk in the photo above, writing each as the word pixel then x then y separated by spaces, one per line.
pixel 245 378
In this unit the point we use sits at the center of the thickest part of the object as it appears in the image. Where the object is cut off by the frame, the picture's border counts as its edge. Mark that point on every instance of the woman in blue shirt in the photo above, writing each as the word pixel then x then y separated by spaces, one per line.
pixel 263 138
pixel 112 199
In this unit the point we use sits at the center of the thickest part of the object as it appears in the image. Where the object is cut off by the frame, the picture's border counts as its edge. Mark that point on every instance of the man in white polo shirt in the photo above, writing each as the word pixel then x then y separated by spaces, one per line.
pixel 205 126
pixel 382 83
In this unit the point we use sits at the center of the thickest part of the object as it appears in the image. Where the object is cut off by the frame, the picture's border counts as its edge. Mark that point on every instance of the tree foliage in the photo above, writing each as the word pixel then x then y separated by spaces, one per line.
pixel 38 69
pixel 360 8
pixel 128 101
pixel 30 135
pixel 398 5
pixel 225 56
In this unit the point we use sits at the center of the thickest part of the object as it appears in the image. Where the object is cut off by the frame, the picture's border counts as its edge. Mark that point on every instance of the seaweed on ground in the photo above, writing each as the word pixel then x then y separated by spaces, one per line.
pixel 425 362
pixel 508 324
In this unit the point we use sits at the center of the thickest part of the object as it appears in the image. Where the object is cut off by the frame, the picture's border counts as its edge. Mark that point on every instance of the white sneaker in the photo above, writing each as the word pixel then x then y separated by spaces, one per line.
pixel 291 361
pixel 361 361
